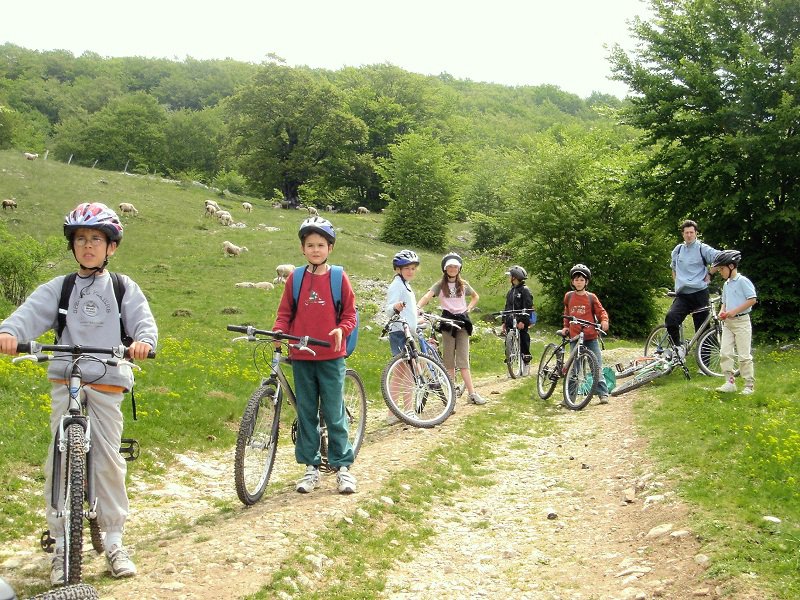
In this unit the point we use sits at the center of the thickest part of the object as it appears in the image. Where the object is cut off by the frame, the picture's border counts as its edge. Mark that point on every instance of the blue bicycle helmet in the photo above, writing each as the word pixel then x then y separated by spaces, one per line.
pixel 404 258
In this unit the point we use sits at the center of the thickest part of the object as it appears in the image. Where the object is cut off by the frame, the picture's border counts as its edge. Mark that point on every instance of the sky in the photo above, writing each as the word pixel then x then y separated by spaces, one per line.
pixel 511 42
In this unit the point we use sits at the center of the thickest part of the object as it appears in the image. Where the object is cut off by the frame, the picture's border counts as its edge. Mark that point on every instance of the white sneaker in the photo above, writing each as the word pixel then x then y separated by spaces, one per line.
pixel 603 399
pixel 57 568
pixel 476 398
pixel 727 387
pixel 345 482
pixel 309 480
pixel 748 389
pixel 391 419
pixel 119 562
pixel 526 369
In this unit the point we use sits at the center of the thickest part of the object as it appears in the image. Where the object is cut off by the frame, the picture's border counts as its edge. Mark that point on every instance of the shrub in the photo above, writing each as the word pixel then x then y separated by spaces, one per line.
pixel 22 264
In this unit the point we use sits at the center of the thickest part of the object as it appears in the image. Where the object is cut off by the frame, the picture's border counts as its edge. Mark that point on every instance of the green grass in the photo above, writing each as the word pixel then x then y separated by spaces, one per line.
pixel 736 458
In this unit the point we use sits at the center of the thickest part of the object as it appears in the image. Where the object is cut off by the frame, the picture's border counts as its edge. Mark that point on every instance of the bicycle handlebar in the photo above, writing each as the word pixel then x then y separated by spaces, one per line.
pixel 34 347
pixel 251 332
pixel 516 311
pixel 584 323
pixel 433 317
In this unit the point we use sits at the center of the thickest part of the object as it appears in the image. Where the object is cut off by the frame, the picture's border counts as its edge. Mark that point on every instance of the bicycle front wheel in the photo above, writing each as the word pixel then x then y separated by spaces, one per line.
pixel 74 491
pixel 80 591
pixel 644 376
pixel 657 341
pixel 581 379
pixel 257 443
pixel 418 391
pixel 355 406
pixel 548 372
pixel 513 357
pixel 707 354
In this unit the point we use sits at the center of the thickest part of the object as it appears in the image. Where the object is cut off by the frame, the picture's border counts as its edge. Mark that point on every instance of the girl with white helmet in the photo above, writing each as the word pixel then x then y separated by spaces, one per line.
pixel 453 292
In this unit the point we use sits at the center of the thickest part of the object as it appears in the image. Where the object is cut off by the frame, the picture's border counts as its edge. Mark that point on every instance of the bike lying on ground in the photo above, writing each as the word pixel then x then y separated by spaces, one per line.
pixel 257 444
pixel 416 386
pixel 705 342
pixel 79 591
pixel 514 360
pixel 580 370
pixel 648 368
pixel 73 490
pixel 430 345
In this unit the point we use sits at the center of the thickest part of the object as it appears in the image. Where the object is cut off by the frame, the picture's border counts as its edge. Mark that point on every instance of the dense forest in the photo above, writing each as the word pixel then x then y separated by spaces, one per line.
pixel 546 178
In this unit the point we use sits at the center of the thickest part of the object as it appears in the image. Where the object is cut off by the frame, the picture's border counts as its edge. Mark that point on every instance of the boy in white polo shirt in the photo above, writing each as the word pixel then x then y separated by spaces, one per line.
pixel 738 298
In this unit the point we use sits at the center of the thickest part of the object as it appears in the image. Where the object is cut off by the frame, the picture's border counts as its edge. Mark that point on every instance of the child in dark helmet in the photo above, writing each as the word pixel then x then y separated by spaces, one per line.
pixel 520 298
pixel 319 378
pixel 738 298
pixel 585 305
pixel 452 292
pixel 94 233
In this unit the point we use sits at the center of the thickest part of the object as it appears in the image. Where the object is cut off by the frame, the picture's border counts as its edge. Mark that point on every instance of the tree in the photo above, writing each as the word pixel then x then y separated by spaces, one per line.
pixel 717 92
pixel 193 141
pixel 419 185
pixel 289 127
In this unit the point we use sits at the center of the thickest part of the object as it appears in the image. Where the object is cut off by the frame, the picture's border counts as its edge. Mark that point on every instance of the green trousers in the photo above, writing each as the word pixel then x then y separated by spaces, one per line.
pixel 318 385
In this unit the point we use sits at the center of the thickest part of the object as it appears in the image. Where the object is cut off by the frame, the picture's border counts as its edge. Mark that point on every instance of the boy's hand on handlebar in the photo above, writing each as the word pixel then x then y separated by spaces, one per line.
pixel 139 350
pixel 277 343
pixel 604 325
pixel 8 344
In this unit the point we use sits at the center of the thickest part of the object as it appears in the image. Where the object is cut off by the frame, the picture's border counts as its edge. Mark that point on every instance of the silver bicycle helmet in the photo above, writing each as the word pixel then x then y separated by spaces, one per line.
pixel 452 259
pixel 93 215
pixel 404 258
pixel 580 269
pixel 727 257
pixel 317 225
pixel 517 272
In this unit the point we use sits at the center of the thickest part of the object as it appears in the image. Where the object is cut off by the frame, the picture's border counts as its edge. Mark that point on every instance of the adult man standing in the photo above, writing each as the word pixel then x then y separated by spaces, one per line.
pixel 689 270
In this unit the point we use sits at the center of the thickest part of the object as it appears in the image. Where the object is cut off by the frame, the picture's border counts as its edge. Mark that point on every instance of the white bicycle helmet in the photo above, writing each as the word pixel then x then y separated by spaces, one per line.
pixel 404 258
pixel 317 225
pixel 94 215
pixel 453 259
pixel 580 269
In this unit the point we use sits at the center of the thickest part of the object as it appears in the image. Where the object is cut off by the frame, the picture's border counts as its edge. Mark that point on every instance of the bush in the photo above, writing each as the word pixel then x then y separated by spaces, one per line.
pixel 22 264
pixel 231 181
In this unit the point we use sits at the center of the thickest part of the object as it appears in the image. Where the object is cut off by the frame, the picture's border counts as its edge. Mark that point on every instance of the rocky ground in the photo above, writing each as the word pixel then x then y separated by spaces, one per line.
pixel 577 514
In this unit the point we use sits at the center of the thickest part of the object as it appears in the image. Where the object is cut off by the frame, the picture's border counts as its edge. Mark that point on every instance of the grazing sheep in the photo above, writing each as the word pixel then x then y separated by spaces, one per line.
pixel 212 203
pixel 329 207
pixel 128 208
pixel 264 285
pixel 245 284
pixel 225 218
pixel 312 212
pixel 284 271
pixel 362 210
pixel 211 210
pixel 30 156
pixel 9 203
pixel 247 206
pixel 279 280
pixel 232 249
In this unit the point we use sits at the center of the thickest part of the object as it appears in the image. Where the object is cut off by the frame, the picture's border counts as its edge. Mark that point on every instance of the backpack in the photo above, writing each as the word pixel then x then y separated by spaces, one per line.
pixel 336 292
pixel 63 305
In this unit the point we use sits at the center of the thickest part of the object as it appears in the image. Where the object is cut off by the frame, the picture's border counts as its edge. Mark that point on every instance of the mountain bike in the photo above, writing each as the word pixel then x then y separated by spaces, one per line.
pixel 416 386
pixel 257 443
pixel 648 368
pixel 73 491
pixel 580 370
pixel 705 342
pixel 430 345
pixel 514 360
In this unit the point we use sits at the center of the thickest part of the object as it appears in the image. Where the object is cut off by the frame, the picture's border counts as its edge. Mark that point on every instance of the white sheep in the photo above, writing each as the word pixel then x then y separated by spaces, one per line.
pixel 312 212
pixel 225 218
pixel 329 207
pixel 30 155
pixel 9 203
pixel 212 203
pixel 211 210
pixel 362 210
pixel 232 249
pixel 245 284
pixel 128 208
pixel 264 285
pixel 284 271
pixel 279 280
pixel 247 206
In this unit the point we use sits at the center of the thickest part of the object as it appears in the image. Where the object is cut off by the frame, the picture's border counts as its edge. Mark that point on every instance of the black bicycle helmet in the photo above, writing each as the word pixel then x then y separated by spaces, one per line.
pixel 518 273
pixel 404 258
pixel 727 257
pixel 317 225
pixel 452 258
pixel 93 215
pixel 580 269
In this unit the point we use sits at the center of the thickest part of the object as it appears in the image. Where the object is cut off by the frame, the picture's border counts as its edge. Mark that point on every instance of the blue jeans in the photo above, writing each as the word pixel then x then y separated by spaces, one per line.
pixel 594 347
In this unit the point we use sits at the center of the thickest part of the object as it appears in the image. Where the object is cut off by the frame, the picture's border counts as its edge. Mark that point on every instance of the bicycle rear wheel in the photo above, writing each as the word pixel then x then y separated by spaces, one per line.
pixel 580 381
pixel 658 341
pixel 548 372
pixel 80 591
pixel 514 362
pixel 418 391
pixel 74 491
pixel 355 405
pixel 646 375
pixel 707 354
pixel 257 443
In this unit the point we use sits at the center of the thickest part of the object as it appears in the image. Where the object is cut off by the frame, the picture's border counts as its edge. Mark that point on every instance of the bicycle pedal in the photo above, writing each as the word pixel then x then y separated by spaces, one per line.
pixel 47 543
pixel 129 449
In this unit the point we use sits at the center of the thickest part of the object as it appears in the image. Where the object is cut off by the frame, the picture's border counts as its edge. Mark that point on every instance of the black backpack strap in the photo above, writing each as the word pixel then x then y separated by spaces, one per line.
pixel 63 303
pixel 119 292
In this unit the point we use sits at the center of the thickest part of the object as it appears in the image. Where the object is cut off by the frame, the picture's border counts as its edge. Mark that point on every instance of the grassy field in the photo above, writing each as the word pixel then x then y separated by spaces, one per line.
pixel 737 459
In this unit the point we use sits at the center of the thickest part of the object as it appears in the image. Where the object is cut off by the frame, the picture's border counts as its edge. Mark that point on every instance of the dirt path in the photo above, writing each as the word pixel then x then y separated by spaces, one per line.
pixel 578 514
